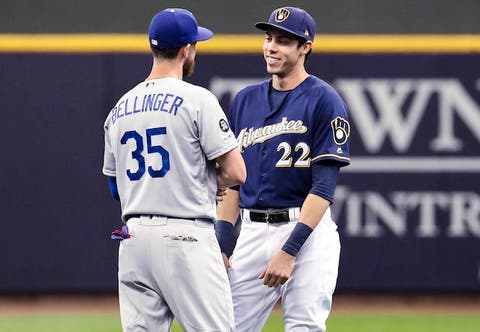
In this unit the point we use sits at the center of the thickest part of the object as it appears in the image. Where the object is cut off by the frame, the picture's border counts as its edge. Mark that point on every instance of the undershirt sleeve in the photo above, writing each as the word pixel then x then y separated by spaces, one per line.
pixel 324 179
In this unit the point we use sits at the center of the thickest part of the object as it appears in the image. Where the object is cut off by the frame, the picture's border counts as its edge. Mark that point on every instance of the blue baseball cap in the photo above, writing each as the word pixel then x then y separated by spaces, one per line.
pixel 291 19
pixel 175 27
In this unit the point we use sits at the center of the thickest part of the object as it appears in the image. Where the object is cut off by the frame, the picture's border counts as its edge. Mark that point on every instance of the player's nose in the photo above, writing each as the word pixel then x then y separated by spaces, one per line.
pixel 271 47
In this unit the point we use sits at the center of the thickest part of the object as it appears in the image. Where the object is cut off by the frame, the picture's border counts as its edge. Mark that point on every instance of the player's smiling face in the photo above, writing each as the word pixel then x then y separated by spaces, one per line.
pixel 281 52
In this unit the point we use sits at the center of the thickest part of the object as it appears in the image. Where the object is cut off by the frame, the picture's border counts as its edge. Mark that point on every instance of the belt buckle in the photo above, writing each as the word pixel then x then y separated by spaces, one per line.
pixel 266 217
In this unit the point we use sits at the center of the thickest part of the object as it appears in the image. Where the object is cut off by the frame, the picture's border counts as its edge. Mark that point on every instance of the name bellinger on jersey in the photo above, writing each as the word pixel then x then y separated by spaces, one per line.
pixel 162 102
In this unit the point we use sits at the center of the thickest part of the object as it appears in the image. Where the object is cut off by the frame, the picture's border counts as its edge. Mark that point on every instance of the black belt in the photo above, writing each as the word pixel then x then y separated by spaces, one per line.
pixel 128 216
pixel 271 217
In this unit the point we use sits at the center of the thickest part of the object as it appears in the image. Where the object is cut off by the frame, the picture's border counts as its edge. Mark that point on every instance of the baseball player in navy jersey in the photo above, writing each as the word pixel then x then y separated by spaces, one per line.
pixel 293 132
pixel 168 146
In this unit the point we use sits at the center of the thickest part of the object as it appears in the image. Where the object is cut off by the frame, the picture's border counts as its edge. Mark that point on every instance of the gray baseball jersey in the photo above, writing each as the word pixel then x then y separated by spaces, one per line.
pixel 161 141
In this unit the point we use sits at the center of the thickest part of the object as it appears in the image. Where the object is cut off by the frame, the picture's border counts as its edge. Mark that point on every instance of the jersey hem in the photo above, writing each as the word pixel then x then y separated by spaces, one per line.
pixel 221 152
pixel 108 172
pixel 332 156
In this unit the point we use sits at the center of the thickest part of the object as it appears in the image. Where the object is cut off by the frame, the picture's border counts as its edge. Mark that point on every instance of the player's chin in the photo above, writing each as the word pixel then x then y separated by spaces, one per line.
pixel 272 70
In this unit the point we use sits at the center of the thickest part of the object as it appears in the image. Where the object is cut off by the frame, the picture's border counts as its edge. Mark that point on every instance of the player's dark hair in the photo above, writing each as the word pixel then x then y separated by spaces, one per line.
pixel 302 41
pixel 165 53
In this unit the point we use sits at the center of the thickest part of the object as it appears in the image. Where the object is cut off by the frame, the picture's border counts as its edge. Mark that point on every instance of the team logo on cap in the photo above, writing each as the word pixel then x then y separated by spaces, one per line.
pixel 281 15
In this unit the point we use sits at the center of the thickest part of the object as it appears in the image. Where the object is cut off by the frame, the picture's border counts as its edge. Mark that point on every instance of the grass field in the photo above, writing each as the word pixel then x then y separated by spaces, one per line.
pixel 338 322
pixel 351 313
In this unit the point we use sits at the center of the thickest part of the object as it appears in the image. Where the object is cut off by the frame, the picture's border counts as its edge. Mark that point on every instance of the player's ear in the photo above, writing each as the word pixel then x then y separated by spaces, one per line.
pixel 185 50
pixel 189 50
pixel 306 47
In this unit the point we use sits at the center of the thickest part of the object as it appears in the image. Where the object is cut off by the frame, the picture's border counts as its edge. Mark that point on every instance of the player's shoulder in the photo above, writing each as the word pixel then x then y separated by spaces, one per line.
pixel 324 98
pixel 315 84
pixel 320 90
pixel 253 89
pixel 119 101
pixel 190 86
pixel 197 92
pixel 133 91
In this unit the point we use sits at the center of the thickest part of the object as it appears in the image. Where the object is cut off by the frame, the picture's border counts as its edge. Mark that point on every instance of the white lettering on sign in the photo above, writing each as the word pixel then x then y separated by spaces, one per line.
pixel 370 214
pixel 400 104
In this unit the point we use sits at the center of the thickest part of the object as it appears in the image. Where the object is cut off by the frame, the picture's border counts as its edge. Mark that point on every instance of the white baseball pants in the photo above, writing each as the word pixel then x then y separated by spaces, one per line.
pixel 173 268
pixel 306 296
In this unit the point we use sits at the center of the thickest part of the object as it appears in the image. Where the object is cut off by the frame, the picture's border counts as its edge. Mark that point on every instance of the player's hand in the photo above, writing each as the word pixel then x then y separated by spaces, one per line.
pixel 278 270
pixel 220 193
pixel 226 261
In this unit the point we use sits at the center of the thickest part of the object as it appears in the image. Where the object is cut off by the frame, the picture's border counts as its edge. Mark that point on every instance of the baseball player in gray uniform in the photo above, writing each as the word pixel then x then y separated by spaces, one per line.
pixel 168 147
pixel 293 132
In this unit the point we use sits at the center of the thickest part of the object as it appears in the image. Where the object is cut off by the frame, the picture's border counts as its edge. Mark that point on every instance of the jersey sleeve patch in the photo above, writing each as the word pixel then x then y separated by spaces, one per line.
pixel 223 124
pixel 340 130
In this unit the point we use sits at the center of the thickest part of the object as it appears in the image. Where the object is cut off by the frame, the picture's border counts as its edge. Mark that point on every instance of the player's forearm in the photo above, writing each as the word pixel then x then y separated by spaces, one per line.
pixel 231 170
pixel 313 209
pixel 227 214
pixel 228 179
pixel 228 209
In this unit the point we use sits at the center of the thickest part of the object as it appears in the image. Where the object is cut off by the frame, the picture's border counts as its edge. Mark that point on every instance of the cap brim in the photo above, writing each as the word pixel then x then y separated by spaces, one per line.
pixel 265 26
pixel 204 34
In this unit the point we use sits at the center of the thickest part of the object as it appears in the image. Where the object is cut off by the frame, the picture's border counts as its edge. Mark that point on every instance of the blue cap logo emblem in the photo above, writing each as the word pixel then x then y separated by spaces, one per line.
pixel 281 15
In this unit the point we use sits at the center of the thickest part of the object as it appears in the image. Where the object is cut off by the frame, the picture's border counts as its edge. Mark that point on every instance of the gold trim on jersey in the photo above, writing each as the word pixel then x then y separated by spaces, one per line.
pixel 331 155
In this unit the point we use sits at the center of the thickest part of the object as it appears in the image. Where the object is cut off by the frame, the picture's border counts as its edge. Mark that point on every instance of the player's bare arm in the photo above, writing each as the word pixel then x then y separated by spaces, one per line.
pixel 231 170
pixel 280 267
pixel 313 209
pixel 228 209
pixel 220 193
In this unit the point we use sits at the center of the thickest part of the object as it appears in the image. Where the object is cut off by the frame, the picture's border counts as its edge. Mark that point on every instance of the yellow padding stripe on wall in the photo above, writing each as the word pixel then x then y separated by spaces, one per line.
pixel 138 43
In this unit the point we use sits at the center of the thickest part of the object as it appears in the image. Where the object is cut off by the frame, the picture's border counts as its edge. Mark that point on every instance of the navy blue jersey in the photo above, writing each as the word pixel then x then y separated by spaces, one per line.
pixel 279 145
